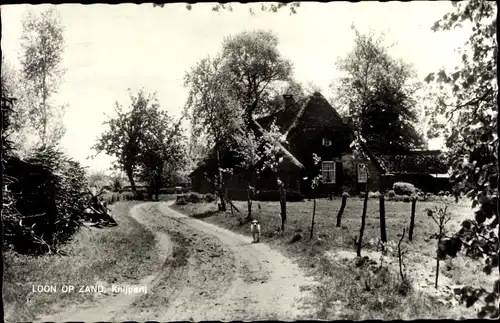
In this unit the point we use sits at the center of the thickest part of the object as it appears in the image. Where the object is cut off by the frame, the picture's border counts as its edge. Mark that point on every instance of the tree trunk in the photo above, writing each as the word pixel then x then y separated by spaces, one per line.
pixel 157 192
pixel 383 233
pixel 283 207
pixel 437 256
pixel 400 257
pixel 220 189
pixel 341 211
pixel 222 205
pixel 314 213
pixel 249 201
pixel 362 229
pixel 412 218
pixel 130 176
pixel 44 109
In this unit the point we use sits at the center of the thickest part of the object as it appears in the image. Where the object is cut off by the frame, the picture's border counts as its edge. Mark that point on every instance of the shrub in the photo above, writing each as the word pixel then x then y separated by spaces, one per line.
pixel 391 193
pixel 49 197
pixel 374 195
pixel 291 196
pixel 441 193
pixel 296 237
pixel 402 188
pixel 345 194
pixel 195 197
pixel 362 194
pixel 406 198
pixel 181 200
pixel 209 198
pixel 140 195
pixel 127 196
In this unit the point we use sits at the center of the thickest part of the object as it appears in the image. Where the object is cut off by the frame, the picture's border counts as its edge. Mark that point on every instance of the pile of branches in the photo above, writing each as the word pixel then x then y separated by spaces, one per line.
pixel 97 211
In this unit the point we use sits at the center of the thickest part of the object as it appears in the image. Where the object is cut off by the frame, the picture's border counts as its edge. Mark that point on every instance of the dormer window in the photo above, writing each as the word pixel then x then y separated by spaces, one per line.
pixel 327 142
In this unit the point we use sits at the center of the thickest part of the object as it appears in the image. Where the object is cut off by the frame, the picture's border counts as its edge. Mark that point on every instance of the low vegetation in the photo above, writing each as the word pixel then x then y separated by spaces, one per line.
pixel 348 290
pixel 121 254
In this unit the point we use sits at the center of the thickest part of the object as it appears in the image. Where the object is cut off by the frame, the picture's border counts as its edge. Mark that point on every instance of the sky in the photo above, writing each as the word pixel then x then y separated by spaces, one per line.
pixel 111 48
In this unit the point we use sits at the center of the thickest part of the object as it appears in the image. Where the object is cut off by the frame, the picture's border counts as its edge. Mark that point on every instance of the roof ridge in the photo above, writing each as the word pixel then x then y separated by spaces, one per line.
pixel 304 102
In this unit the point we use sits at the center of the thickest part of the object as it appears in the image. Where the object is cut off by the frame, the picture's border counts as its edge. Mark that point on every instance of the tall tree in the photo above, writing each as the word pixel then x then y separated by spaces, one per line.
pixel 255 65
pixel 377 91
pixel 124 135
pixel 470 128
pixel 229 91
pixel 20 130
pixel 42 46
pixel 214 114
pixel 162 149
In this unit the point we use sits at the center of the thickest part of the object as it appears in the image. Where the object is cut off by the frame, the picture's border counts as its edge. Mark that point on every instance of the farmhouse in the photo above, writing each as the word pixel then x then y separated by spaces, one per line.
pixel 310 126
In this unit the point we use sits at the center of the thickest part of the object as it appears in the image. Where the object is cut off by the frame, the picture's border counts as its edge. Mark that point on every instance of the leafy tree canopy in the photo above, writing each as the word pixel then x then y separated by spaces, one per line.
pixel 376 90
pixel 471 132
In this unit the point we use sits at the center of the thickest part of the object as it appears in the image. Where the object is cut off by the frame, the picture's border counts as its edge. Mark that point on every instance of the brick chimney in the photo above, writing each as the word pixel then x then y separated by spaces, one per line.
pixel 289 101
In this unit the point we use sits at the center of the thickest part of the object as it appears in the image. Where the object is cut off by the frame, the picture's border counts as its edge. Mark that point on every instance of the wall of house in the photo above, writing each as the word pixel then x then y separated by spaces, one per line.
pixel 200 184
pixel 237 185
pixel 319 120
pixel 350 166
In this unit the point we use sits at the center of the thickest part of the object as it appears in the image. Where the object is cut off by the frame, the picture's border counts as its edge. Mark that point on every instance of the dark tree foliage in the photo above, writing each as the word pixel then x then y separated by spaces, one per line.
pixel 377 90
pixel 48 196
pixel 388 119
pixel 471 130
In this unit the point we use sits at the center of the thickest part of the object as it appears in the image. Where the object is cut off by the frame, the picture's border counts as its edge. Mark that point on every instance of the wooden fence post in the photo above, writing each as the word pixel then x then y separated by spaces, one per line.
pixel 412 218
pixel 383 233
pixel 283 207
pixel 361 231
pixel 341 211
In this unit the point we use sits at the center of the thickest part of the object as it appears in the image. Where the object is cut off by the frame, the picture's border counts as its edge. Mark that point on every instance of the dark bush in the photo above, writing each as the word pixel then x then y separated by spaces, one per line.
pixel 209 198
pixel 49 196
pixel 181 200
pixel 195 197
pixel 127 196
pixel 140 196
pixel 291 196
pixel 391 193
pixel 296 237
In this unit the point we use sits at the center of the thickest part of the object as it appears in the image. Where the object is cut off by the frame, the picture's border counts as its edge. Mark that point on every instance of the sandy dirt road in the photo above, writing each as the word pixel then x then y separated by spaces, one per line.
pixel 208 273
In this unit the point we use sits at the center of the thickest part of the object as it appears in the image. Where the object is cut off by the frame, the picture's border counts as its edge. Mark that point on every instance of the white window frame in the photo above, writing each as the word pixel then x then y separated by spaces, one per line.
pixel 362 167
pixel 326 142
pixel 328 168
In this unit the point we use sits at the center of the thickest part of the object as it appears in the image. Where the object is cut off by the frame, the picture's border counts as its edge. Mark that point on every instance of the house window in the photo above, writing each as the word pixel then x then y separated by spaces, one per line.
pixel 327 142
pixel 328 171
pixel 362 173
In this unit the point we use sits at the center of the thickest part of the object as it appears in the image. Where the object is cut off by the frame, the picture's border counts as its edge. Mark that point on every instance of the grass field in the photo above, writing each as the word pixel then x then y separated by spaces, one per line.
pixel 120 254
pixel 369 291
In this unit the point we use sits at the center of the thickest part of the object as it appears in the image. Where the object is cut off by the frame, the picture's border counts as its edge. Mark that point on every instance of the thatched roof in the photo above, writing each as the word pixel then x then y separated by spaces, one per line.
pixel 287 118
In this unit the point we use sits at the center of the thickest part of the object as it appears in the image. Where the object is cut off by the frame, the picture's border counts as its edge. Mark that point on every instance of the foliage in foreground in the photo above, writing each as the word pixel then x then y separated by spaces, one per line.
pixel 45 199
pixel 471 131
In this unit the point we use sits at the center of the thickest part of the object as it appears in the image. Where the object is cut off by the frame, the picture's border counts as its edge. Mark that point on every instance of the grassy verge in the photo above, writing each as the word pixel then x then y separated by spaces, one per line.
pixel 347 290
pixel 122 254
